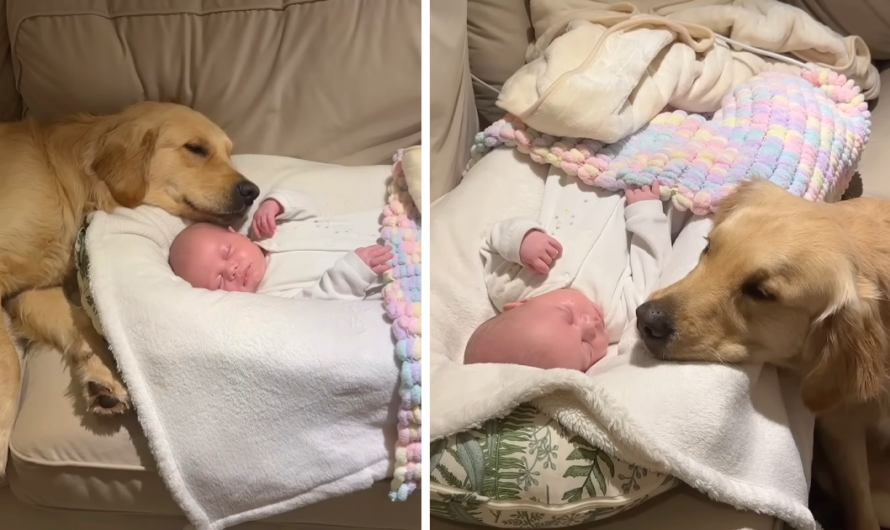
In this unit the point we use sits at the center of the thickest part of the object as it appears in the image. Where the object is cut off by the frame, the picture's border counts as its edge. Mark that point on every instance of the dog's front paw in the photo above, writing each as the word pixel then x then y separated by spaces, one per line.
pixel 107 398
pixel 103 388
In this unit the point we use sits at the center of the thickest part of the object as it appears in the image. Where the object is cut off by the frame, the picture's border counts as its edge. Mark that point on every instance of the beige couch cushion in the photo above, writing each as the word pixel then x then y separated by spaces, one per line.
pixel 452 109
pixel 870 19
pixel 10 103
pixel 327 80
pixel 499 33
pixel 874 168
pixel 64 458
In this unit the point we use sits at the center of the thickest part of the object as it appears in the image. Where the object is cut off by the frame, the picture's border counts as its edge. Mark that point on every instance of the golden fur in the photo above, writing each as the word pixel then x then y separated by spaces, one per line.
pixel 805 286
pixel 51 176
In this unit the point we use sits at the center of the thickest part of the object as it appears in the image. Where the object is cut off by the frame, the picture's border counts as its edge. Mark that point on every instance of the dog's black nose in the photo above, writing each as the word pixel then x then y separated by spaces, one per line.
pixel 247 191
pixel 655 326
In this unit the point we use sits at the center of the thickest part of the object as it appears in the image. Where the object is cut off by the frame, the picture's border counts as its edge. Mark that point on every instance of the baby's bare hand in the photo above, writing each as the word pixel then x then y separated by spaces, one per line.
pixel 538 251
pixel 264 219
pixel 645 193
pixel 376 257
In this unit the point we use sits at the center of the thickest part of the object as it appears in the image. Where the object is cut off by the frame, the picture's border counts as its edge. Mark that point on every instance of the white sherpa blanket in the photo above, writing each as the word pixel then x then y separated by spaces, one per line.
pixel 603 69
pixel 252 405
pixel 739 434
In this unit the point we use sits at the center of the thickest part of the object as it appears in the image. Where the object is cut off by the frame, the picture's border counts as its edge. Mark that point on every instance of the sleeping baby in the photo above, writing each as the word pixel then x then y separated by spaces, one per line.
pixel 303 257
pixel 566 287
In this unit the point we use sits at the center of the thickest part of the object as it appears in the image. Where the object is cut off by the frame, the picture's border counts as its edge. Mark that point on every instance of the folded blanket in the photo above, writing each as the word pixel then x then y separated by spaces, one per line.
pixel 411 164
pixel 803 132
pixel 738 433
pixel 253 405
pixel 634 59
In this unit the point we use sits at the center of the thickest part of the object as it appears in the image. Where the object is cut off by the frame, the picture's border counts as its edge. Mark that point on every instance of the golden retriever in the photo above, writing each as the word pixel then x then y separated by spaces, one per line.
pixel 801 285
pixel 51 176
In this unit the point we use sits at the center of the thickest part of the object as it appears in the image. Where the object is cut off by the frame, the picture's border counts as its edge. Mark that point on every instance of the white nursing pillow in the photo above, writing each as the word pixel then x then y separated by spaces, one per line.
pixel 207 370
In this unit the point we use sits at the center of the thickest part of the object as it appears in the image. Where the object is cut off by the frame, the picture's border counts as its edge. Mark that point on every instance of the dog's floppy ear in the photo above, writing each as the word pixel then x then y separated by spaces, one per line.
pixel 123 162
pixel 844 353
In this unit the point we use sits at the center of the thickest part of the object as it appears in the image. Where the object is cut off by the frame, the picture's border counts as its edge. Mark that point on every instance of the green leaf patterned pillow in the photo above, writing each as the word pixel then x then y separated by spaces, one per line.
pixel 527 471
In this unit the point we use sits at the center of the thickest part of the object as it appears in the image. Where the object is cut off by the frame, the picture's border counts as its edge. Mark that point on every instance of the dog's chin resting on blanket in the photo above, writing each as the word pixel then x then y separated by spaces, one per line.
pixel 801 285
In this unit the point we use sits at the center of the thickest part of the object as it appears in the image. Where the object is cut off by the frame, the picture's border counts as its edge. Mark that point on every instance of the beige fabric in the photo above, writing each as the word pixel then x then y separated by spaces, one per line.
pixel 499 33
pixel 635 60
pixel 63 458
pixel 874 168
pixel 870 19
pixel 10 103
pixel 333 81
pixel 359 511
pixel 412 161
pixel 453 121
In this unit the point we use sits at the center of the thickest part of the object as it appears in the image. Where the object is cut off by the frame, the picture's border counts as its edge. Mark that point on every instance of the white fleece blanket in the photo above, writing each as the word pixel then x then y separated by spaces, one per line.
pixel 603 69
pixel 739 434
pixel 253 405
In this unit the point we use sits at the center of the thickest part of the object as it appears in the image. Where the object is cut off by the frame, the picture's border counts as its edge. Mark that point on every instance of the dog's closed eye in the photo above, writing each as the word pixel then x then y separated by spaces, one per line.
pixel 197 149
pixel 756 291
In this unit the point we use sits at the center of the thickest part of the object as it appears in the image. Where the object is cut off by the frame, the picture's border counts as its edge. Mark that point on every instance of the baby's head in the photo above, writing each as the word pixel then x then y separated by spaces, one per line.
pixel 559 329
pixel 216 258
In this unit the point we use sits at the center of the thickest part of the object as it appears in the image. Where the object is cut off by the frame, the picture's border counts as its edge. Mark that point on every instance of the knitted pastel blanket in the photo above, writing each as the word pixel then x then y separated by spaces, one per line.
pixel 803 132
pixel 402 300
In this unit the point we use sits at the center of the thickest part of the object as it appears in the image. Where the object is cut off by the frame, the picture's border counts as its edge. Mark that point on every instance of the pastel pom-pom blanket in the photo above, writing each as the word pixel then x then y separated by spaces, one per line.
pixel 402 299
pixel 803 132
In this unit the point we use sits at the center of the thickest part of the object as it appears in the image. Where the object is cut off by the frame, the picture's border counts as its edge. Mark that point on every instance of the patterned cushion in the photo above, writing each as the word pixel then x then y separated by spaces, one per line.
pixel 82 262
pixel 527 471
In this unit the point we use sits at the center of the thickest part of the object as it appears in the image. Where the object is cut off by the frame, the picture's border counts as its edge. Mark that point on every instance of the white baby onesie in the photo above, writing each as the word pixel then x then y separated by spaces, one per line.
pixel 611 253
pixel 313 257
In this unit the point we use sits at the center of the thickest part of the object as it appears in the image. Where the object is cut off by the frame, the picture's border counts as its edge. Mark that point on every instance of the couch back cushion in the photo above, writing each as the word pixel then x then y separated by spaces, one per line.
pixel 10 102
pixel 327 80
pixel 499 32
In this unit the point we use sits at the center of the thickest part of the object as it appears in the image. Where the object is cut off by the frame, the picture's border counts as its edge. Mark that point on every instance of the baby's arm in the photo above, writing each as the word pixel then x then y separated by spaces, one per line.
pixel 650 242
pixel 523 241
pixel 295 205
pixel 281 204
pixel 350 276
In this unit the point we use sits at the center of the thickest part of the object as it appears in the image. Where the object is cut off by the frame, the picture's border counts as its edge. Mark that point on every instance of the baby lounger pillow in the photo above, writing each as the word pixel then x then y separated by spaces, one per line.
pixel 528 471
pixel 292 396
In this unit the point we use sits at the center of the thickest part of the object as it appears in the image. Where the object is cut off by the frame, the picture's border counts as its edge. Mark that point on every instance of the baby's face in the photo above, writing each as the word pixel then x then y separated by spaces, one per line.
pixel 563 325
pixel 559 329
pixel 215 258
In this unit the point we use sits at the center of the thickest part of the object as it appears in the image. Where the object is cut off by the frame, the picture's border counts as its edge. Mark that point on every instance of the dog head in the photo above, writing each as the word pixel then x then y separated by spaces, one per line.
pixel 780 281
pixel 172 157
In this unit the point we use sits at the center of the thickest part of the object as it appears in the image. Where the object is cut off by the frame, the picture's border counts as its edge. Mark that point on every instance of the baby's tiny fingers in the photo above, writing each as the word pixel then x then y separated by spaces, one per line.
pixel 380 260
pixel 539 266
pixel 552 251
pixel 380 269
